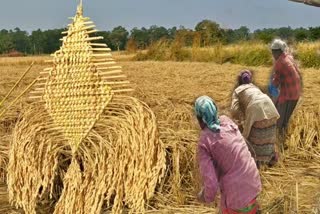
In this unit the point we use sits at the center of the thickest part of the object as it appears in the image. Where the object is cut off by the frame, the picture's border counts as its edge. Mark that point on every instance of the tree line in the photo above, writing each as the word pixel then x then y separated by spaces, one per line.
pixel 205 33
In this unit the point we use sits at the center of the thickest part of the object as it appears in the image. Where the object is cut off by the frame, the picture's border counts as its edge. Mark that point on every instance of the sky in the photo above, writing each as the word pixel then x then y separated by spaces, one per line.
pixel 256 14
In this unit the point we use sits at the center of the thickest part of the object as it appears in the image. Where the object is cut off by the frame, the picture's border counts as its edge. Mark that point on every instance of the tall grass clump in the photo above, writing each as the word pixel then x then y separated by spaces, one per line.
pixel 178 53
pixel 157 51
pixel 250 54
pixel 245 53
pixel 308 54
pixel 131 46
pixel 164 50
pixel 216 53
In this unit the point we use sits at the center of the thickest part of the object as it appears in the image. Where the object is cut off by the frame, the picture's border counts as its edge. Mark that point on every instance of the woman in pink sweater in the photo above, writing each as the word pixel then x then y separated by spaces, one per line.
pixel 225 163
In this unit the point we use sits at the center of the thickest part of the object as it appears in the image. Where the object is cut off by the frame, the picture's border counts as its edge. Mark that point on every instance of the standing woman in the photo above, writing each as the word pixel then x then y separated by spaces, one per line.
pixel 288 79
pixel 259 118
pixel 225 162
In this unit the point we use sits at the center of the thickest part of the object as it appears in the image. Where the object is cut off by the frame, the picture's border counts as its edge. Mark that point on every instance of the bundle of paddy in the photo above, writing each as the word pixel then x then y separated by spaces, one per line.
pixel 8 119
pixel 83 146
pixel 291 186
pixel 7 123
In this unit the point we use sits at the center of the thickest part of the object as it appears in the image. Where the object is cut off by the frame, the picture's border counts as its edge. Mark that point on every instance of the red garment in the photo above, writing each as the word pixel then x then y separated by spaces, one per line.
pixel 287 77
pixel 252 206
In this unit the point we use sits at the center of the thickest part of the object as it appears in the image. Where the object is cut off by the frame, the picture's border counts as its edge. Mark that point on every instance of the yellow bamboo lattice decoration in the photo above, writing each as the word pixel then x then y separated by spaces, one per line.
pixel 81 82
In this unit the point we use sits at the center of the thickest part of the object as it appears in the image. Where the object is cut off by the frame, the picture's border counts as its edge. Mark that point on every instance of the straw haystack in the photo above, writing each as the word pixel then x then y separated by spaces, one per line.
pixel 82 145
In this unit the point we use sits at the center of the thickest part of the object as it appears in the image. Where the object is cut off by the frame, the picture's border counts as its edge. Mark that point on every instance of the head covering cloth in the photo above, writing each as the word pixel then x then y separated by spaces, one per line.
pixel 279 44
pixel 207 111
pixel 245 77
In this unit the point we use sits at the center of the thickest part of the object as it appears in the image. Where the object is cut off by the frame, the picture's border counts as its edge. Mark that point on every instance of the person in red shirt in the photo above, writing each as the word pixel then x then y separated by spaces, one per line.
pixel 287 78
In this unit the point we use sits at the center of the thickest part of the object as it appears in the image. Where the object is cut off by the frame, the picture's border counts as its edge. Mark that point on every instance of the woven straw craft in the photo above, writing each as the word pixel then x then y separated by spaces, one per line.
pixel 81 82
pixel 82 146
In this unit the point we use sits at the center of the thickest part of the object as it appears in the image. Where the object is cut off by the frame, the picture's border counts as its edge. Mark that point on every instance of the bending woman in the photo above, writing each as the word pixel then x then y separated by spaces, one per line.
pixel 225 162
pixel 259 118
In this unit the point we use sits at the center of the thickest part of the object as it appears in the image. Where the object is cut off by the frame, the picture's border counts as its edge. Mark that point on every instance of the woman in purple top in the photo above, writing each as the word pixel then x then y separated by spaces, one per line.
pixel 225 163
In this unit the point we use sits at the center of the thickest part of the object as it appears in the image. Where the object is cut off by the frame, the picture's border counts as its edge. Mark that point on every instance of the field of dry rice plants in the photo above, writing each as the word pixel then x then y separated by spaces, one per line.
pixel 169 88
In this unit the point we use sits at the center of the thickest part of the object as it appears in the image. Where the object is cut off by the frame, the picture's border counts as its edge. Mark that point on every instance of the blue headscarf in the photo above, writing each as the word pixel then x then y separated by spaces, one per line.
pixel 207 111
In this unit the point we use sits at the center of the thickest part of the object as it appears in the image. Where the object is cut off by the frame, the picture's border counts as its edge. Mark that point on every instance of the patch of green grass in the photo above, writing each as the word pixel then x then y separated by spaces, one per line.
pixel 247 53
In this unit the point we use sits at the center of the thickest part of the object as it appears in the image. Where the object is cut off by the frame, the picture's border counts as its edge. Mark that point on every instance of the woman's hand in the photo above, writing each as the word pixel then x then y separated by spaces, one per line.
pixel 201 195
pixel 201 198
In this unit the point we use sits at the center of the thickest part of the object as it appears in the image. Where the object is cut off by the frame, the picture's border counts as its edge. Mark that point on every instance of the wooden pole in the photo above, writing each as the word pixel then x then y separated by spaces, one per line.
pixel 16 84
pixel 17 98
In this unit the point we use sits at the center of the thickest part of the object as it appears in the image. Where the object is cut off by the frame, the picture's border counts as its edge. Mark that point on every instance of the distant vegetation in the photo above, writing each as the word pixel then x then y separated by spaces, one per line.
pixel 245 53
pixel 207 42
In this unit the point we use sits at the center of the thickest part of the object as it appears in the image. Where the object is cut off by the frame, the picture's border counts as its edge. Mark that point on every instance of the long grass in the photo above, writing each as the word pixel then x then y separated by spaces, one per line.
pixel 309 54
pixel 246 53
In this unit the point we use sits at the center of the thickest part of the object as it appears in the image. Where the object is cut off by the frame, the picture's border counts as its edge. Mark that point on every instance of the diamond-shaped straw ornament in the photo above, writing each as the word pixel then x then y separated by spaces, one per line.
pixel 81 82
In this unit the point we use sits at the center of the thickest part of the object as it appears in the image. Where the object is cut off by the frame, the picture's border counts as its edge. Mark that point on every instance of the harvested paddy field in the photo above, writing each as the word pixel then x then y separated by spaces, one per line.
pixel 170 88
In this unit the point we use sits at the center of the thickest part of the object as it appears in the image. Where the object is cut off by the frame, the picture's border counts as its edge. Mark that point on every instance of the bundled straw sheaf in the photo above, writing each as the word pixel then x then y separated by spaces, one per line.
pixel 34 158
pixel 7 121
pixel 124 170
pixel 82 146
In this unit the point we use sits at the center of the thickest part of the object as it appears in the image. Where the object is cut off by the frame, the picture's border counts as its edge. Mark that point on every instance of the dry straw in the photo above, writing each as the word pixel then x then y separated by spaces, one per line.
pixel 119 161
pixel 4 144
pixel 81 146
pixel 291 186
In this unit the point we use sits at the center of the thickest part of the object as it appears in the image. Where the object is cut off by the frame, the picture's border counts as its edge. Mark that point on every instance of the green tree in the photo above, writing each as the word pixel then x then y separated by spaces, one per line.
pixel 264 35
pixel 285 33
pixel 156 33
pixel 301 34
pixel 314 33
pixel 141 36
pixel 241 34
pixel 172 32
pixel 20 40
pixel 119 37
pixel 210 31
pixel 6 43
pixel 52 40
pixel 106 39
pixel 37 40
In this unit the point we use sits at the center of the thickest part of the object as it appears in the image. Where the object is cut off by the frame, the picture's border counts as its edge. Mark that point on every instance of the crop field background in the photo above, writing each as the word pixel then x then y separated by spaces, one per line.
pixel 245 53
pixel 170 88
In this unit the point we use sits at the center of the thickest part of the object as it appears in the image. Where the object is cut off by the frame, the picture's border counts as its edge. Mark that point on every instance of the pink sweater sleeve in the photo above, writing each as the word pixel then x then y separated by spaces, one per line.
pixel 208 173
